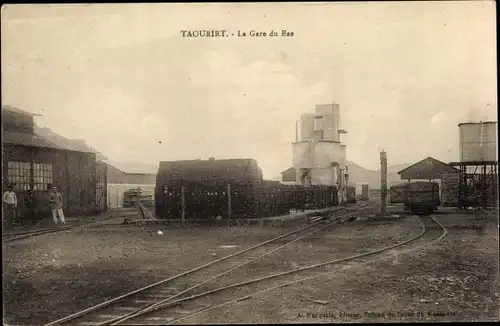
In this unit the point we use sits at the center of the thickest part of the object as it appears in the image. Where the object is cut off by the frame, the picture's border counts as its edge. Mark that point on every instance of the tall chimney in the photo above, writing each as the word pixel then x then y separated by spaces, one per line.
pixel 383 183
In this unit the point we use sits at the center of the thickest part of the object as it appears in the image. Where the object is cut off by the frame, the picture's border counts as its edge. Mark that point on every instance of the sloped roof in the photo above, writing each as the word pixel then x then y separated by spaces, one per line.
pixel 428 168
pixel 26 139
pixel 63 142
pixel 32 140
pixel 196 170
pixel 16 110
pixel 288 170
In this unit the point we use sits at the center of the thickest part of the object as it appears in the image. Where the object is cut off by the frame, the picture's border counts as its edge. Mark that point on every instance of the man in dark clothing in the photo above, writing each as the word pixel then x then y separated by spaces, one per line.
pixel 31 203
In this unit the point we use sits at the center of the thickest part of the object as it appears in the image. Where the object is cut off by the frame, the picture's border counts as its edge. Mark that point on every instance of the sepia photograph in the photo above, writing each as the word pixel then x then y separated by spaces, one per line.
pixel 249 163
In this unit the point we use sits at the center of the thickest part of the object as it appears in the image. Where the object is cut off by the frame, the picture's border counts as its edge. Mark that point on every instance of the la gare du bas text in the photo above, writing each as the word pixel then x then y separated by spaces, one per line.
pixel 225 33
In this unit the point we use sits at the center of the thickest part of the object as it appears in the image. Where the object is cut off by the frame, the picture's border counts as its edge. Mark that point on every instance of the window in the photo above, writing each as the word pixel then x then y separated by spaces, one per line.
pixel 43 176
pixel 318 127
pixel 19 175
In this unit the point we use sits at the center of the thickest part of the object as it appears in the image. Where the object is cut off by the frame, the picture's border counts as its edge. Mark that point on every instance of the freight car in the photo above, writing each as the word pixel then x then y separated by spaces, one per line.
pixel 311 197
pixel 208 188
pixel 421 197
pixel 396 193
pixel 229 188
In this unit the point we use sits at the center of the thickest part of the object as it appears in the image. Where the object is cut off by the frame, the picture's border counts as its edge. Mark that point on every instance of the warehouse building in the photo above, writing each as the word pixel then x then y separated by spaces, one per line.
pixel 30 161
pixel 116 179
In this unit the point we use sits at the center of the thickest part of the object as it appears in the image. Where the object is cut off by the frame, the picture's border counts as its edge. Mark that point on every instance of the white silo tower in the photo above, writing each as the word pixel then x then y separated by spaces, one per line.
pixel 318 154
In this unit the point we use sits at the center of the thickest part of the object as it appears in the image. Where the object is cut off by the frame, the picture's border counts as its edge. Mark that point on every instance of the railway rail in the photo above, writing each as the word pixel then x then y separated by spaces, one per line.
pixel 28 234
pixel 127 306
pixel 432 232
pixel 167 310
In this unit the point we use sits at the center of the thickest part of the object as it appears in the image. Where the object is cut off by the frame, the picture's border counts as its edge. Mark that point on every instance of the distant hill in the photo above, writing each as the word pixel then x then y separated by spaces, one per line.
pixel 358 173
pixel 134 167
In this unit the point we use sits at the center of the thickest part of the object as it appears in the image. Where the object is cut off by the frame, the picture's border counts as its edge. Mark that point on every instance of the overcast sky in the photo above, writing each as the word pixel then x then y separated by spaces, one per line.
pixel 122 77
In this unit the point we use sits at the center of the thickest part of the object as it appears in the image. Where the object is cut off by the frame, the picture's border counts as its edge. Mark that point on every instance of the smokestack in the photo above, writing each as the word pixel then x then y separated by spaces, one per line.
pixel 383 183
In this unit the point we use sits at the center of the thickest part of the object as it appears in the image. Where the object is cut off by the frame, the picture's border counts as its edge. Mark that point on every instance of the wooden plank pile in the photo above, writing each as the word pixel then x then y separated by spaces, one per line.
pixel 133 196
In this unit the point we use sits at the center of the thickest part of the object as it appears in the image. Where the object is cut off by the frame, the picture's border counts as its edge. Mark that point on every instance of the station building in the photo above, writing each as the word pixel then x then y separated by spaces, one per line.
pixel 31 161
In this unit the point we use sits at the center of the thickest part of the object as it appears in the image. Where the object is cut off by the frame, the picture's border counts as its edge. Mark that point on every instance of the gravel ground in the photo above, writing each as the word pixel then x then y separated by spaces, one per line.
pixel 51 276
pixel 453 280
pixel 333 243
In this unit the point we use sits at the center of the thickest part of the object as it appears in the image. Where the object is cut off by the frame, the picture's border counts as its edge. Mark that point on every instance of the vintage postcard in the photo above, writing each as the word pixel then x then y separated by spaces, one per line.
pixel 255 163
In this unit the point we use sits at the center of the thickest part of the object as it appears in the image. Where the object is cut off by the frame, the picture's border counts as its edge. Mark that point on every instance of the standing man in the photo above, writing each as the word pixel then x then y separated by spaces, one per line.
pixel 31 203
pixel 10 205
pixel 56 203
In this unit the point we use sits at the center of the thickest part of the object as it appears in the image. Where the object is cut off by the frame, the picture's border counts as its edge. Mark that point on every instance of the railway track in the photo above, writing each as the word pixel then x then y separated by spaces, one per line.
pixel 175 311
pixel 182 309
pixel 28 234
pixel 189 303
pixel 129 305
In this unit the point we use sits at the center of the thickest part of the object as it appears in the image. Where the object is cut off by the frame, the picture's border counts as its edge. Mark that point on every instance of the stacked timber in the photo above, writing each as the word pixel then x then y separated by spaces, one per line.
pixel 449 189
pixel 133 196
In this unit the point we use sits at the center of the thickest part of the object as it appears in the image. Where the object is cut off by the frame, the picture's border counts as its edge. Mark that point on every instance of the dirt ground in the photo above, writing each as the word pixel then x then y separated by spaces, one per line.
pixel 51 276
pixel 453 280
pixel 54 275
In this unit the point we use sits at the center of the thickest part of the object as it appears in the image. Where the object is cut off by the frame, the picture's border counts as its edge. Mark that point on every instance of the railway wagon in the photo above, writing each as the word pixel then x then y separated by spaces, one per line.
pixel 274 199
pixel 208 188
pixel 396 193
pixel 218 188
pixel 421 197
pixel 311 197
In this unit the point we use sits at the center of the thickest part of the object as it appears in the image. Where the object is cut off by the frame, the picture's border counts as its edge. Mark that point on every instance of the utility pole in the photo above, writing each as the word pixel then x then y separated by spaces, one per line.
pixel 383 183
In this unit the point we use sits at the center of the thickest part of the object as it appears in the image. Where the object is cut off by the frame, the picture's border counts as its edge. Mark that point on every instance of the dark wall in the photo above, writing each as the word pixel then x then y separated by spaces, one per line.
pixel 17 122
pixel 289 175
pixel 73 172
pixel 114 175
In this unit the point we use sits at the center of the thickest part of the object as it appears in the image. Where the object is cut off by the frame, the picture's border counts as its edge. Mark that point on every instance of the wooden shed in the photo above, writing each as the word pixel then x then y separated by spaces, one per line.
pixel 30 161
pixel 431 169
pixel 289 175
